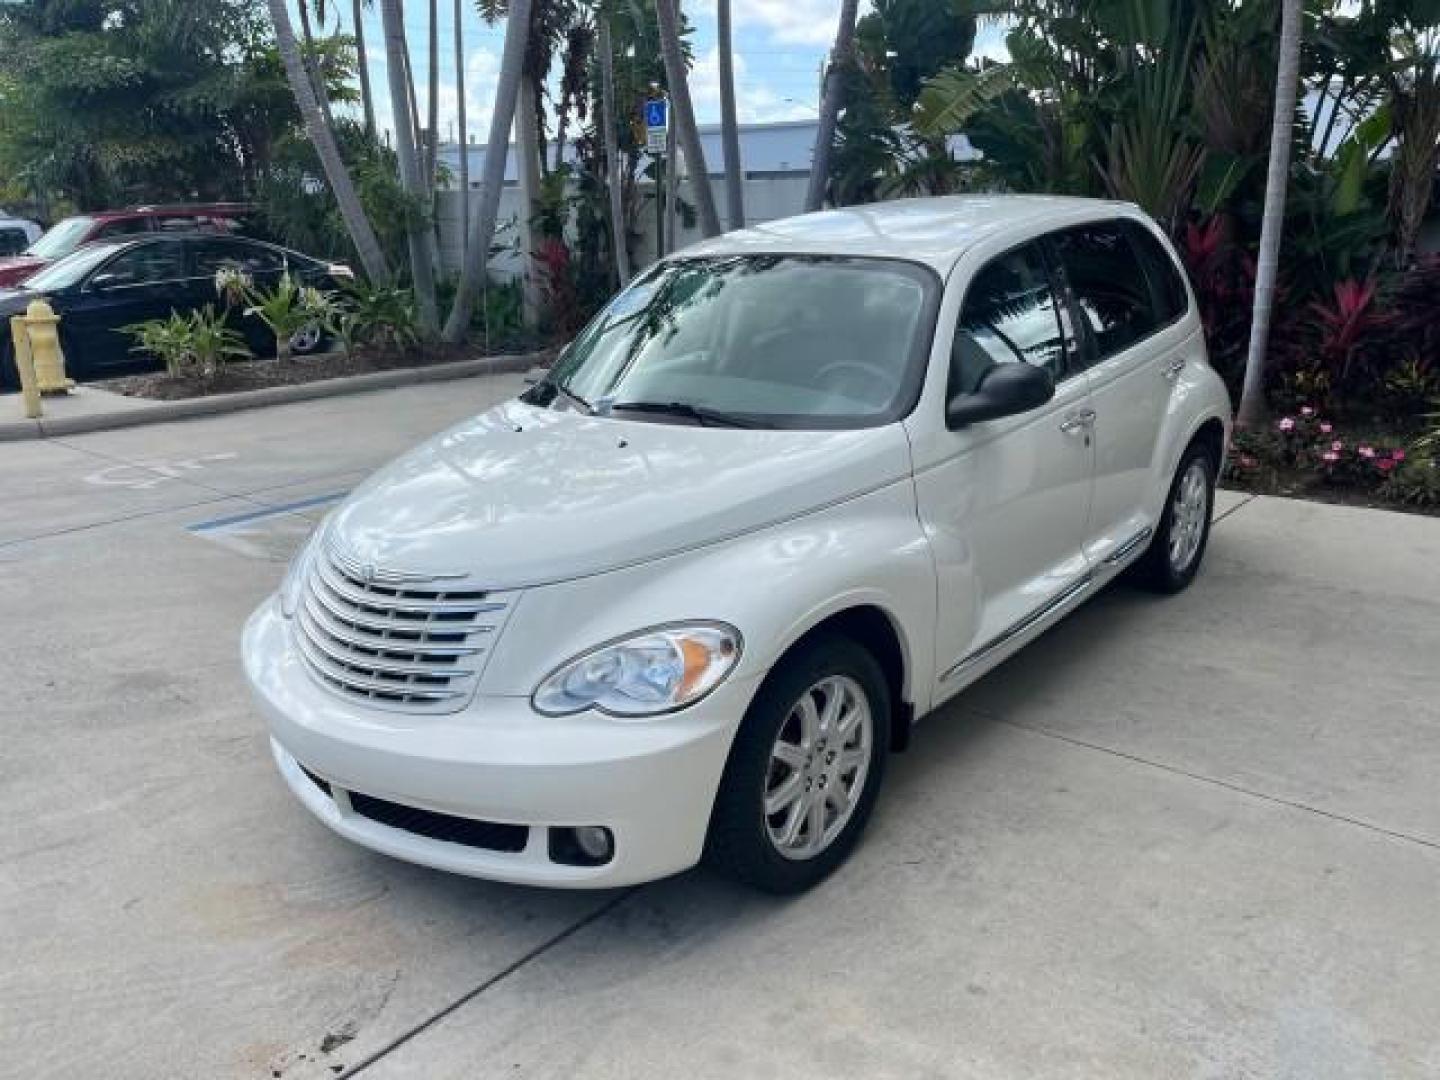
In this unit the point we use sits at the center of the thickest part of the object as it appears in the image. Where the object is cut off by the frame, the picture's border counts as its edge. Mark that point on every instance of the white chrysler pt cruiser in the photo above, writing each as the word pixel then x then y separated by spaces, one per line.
pixel 790 491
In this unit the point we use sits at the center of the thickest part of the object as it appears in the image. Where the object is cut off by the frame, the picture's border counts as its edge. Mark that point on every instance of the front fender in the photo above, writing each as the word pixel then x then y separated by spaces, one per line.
pixel 773 585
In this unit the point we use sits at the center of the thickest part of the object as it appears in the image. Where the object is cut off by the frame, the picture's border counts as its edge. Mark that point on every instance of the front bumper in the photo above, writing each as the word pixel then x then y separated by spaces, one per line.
pixel 651 782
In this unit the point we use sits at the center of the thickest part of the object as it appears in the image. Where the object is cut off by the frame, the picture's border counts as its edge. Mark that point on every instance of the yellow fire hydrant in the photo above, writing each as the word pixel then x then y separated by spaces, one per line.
pixel 40 326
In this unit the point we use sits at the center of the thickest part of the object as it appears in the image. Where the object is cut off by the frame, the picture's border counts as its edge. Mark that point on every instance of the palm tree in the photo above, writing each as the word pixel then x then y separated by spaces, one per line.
pixel 482 225
pixel 362 235
pixel 362 64
pixel 422 272
pixel 464 136
pixel 1252 396
pixel 830 104
pixel 612 152
pixel 432 114
pixel 729 129
pixel 684 115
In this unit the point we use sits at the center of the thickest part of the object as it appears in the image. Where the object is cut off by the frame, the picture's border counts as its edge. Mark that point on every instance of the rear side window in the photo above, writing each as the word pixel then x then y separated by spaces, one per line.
pixel 213 255
pixel 123 227
pixel 1110 288
pixel 1170 298
pixel 1009 316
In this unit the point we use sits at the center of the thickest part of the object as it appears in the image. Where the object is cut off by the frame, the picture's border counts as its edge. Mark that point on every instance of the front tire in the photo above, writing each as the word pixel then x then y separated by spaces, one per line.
pixel 1173 558
pixel 804 770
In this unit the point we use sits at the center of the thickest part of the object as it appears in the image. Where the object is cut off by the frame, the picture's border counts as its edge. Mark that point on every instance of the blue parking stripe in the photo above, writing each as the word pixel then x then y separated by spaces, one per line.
pixel 269 511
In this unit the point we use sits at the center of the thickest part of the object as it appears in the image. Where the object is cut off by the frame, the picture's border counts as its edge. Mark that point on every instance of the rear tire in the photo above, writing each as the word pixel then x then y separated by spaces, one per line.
pixel 818 732
pixel 1173 558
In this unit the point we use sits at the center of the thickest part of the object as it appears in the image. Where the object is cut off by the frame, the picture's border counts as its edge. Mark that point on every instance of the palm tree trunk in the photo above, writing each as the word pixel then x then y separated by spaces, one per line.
pixel 684 115
pixel 502 116
pixel 317 77
pixel 527 150
pixel 1277 177
pixel 367 246
pixel 612 153
pixel 464 131
pixel 432 112
pixel 672 201
pixel 830 105
pixel 422 273
pixel 362 64
pixel 729 127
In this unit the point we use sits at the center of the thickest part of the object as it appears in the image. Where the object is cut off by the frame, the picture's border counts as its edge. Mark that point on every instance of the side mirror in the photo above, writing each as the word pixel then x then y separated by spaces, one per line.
pixel 1005 390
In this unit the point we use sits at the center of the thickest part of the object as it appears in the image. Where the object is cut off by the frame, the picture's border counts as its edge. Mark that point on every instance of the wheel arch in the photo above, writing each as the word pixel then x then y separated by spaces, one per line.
pixel 882 635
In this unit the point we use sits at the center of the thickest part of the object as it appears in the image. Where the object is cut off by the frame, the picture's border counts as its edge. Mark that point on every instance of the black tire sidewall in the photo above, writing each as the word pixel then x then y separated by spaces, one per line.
pixel 1167 576
pixel 738 843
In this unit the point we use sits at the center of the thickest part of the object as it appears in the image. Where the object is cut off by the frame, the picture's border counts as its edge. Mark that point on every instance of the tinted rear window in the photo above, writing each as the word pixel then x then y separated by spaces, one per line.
pixel 1170 298
pixel 1111 290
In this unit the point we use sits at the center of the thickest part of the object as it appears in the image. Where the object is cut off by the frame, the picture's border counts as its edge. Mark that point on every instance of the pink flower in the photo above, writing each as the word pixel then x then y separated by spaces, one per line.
pixel 1385 464
pixel 1330 456
pixel 1398 455
pixel 1247 462
pixel 1306 410
pixel 1287 424
pixel 1337 446
pixel 1326 427
pixel 1367 452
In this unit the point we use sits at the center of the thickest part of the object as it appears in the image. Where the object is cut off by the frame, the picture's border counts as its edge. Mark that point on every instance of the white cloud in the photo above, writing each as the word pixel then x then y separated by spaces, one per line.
pixel 755 101
pixel 791 22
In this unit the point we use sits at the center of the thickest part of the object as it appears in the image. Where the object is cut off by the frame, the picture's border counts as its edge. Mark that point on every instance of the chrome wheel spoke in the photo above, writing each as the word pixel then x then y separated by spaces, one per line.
pixel 790 789
pixel 790 831
pixel 789 755
pixel 809 719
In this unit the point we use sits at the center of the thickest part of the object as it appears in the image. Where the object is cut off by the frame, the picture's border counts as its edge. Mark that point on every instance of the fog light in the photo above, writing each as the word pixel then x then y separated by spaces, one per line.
pixel 584 845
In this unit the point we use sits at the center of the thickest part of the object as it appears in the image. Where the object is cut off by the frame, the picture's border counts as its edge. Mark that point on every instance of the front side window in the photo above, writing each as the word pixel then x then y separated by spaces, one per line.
pixel 1009 316
pixel 12 239
pixel 145 264
pixel 796 341
pixel 1110 288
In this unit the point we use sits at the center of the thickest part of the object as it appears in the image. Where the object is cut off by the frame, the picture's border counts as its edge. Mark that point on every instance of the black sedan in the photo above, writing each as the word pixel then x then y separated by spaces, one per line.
pixel 105 286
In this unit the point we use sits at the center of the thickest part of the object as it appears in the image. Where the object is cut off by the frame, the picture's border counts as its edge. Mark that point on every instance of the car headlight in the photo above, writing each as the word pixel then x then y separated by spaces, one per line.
pixel 654 671
pixel 293 585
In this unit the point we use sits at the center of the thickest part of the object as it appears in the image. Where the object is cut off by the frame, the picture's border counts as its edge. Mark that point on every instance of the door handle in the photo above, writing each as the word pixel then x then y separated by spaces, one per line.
pixel 1173 369
pixel 1078 421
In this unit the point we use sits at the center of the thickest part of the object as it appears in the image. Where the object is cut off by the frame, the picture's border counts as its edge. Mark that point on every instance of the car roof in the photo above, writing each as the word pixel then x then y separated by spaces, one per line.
pixel 177 210
pixel 935 231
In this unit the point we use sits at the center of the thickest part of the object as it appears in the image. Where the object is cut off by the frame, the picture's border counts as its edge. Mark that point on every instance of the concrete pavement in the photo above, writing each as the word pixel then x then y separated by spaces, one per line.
pixel 1196 837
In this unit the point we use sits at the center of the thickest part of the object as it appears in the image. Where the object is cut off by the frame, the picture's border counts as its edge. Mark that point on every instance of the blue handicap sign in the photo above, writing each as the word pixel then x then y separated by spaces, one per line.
pixel 655 114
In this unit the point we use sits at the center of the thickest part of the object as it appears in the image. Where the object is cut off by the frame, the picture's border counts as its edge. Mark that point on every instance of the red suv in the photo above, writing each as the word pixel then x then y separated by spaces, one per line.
pixel 69 234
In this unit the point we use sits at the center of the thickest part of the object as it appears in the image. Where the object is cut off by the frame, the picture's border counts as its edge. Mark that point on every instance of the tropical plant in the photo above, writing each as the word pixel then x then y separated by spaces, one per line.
pixel 373 315
pixel 286 309
pixel 200 342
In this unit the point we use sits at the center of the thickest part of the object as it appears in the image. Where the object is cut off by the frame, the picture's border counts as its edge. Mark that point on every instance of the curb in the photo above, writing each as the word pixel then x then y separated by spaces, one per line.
pixel 184 409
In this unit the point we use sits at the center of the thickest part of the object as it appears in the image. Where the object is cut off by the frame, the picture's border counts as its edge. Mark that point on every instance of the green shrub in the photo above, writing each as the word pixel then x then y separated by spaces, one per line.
pixel 199 342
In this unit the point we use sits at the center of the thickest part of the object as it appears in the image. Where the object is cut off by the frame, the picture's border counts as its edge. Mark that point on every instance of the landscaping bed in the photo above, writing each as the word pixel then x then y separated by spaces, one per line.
pixel 238 376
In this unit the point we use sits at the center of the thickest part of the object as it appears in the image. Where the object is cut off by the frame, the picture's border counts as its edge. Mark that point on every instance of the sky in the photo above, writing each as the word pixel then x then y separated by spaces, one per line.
pixel 779 46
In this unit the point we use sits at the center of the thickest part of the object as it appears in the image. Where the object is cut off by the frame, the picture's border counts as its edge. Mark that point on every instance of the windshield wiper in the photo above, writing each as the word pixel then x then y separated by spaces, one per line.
pixel 574 398
pixel 701 414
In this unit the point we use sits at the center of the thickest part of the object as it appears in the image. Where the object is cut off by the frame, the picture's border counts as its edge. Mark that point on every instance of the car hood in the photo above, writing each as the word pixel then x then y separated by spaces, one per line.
pixel 17 268
pixel 524 496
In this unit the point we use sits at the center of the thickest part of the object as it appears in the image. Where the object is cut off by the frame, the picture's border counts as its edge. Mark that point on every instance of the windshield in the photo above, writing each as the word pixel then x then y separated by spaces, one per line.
pixel 72 269
pixel 797 341
pixel 62 239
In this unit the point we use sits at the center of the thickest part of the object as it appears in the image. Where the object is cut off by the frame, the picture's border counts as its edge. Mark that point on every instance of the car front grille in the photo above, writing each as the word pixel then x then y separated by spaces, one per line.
pixel 393 639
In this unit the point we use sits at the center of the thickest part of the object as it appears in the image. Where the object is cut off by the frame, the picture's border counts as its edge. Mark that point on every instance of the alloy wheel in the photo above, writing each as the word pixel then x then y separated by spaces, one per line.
pixel 818 766
pixel 1188 515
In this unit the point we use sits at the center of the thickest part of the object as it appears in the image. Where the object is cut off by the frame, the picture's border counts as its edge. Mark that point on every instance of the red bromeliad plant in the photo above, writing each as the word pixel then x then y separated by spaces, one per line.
pixel 1346 326
pixel 1223 276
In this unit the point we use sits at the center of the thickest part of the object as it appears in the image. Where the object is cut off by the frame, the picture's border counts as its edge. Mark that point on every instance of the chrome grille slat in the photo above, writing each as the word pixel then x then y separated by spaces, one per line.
pixel 338 607
pixel 357 593
pixel 356 636
pixel 395 639
pixel 342 679
pixel 340 653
